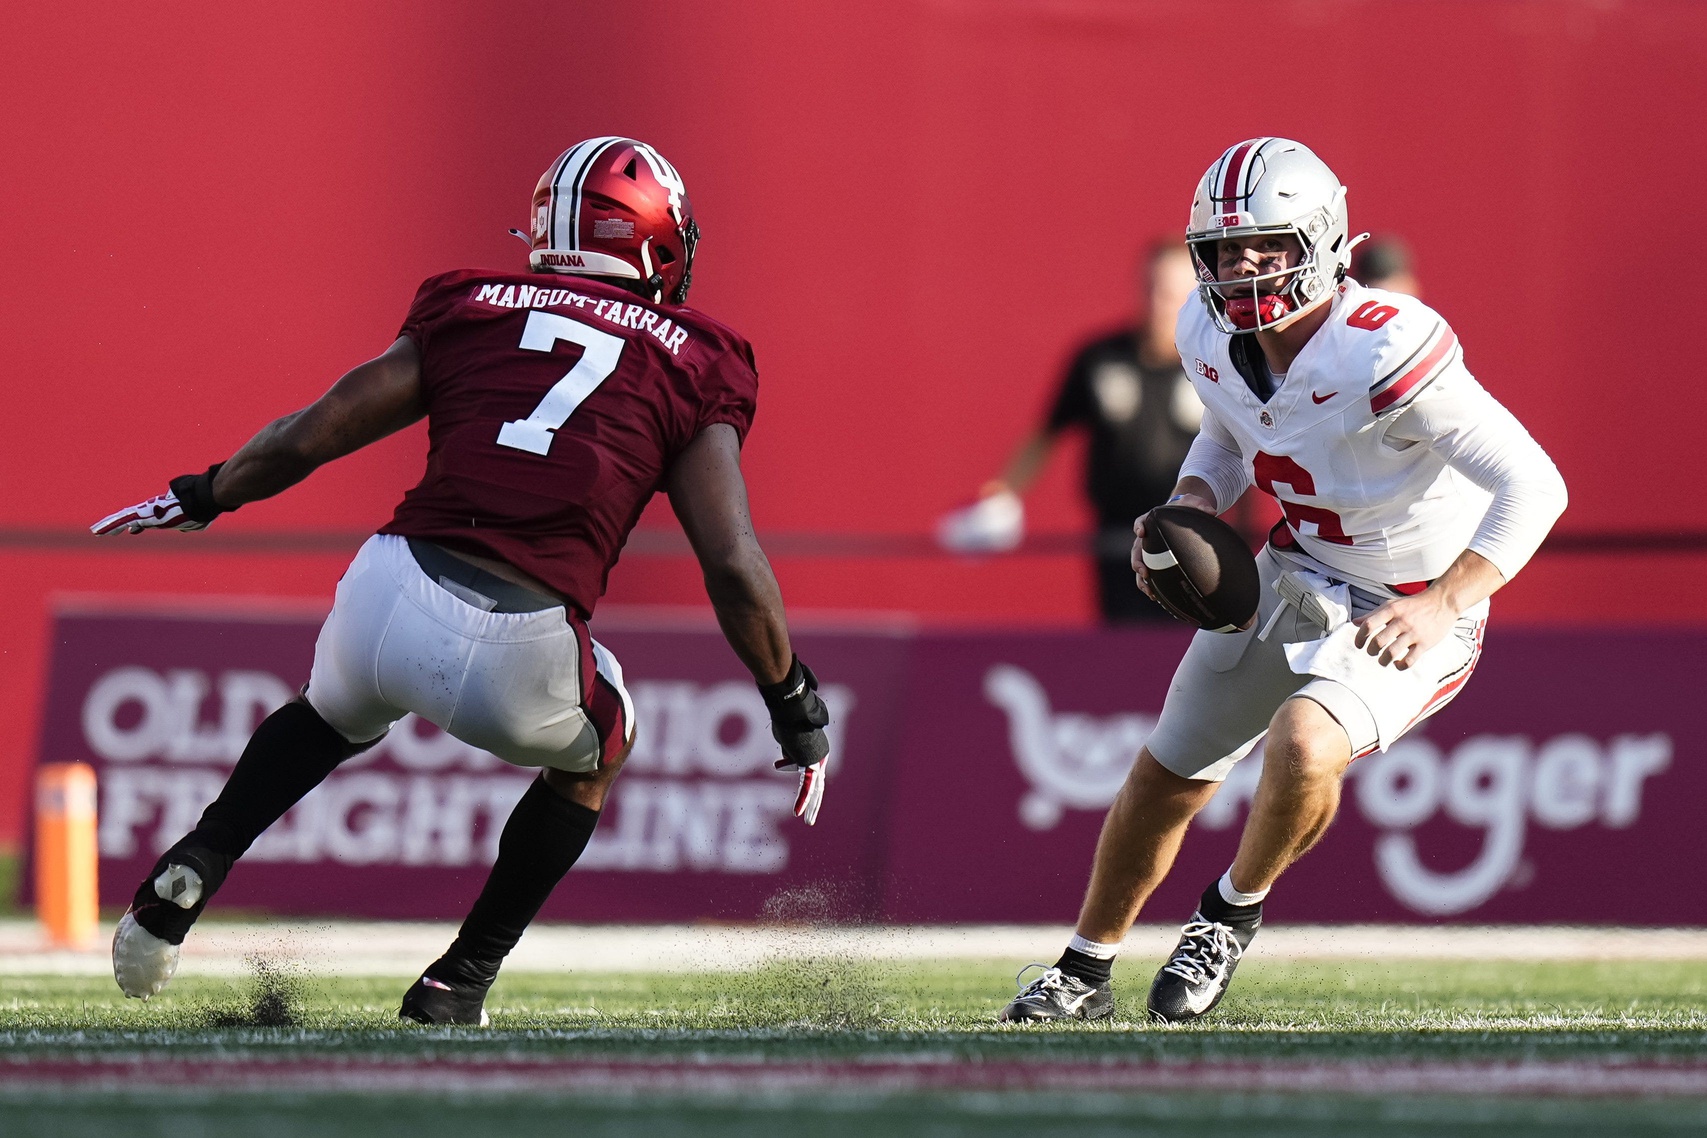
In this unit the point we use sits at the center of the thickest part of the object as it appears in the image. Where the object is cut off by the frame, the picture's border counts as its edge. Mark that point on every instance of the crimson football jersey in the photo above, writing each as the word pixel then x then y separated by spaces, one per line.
pixel 555 407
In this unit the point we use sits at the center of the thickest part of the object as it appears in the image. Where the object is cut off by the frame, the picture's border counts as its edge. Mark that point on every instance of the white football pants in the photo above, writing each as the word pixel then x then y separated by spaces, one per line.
pixel 1229 684
pixel 533 688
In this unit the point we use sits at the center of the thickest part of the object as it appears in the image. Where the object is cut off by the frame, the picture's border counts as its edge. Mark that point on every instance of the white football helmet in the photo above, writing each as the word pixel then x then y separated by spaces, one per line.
pixel 1261 186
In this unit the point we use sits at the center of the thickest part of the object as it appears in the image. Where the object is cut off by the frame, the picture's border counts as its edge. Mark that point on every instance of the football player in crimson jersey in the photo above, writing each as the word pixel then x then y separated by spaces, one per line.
pixel 1410 495
pixel 558 401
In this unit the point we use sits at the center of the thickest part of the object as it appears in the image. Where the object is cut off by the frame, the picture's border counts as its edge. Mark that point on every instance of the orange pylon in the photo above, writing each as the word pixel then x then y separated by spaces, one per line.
pixel 67 893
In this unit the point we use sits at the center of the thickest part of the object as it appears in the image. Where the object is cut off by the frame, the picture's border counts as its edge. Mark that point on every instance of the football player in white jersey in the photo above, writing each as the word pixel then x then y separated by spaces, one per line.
pixel 1410 496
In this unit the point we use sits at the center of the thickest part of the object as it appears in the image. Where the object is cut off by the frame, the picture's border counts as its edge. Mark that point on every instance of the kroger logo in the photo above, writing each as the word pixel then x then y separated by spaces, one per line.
pixel 1498 784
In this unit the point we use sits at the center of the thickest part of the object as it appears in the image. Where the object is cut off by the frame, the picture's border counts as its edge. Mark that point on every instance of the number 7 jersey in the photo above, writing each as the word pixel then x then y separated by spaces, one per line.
pixel 1386 455
pixel 555 408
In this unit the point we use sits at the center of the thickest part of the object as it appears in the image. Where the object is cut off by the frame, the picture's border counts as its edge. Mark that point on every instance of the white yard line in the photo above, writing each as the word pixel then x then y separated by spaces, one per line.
pixel 403 948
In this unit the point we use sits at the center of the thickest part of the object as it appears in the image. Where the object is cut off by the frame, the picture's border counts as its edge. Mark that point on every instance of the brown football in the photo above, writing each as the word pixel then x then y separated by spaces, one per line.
pixel 1201 568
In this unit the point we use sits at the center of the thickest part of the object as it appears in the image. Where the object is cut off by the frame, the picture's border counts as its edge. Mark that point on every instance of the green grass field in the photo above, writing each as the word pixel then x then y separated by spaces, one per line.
pixel 1337 1019
pixel 831 1022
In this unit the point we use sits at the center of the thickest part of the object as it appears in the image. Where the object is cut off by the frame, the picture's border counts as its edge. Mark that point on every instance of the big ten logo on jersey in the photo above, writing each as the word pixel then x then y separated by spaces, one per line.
pixel 1500 785
pixel 1206 371
pixel 699 791
pixel 166 741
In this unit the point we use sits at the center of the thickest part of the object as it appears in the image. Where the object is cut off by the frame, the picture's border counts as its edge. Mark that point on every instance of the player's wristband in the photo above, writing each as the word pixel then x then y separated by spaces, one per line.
pixel 798 716
pixel 195 494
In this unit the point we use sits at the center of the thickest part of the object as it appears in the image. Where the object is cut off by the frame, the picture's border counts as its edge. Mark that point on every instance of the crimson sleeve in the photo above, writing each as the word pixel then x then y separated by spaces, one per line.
pixel 730 391
pixel 432 300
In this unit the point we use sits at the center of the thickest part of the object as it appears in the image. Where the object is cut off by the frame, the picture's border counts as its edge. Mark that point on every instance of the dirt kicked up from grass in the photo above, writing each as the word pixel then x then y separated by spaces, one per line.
pixel 848 1046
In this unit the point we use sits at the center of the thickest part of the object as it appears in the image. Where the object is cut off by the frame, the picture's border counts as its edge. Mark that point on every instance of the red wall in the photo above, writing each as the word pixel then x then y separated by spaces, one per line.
pixel 913 208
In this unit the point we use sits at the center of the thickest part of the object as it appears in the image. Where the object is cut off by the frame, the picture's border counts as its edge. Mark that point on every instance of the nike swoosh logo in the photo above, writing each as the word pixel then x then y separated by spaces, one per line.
pixel 1319 399
pixel 1073 1005
pixel 1199 1000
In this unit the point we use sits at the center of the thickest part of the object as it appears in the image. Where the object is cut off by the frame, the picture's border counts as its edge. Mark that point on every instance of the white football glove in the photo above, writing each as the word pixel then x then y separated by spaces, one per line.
pixel 811 794
pixel 798 719
pixel 994 523
pixel 163 512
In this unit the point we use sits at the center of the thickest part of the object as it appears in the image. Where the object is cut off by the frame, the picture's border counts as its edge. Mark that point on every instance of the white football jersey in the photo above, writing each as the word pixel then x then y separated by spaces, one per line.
pixel 1387 456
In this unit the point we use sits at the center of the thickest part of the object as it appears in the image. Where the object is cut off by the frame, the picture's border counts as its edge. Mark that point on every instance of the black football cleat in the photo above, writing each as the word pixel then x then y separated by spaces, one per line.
pixel 434 1001
pixel 1195 978
pixel 1057 995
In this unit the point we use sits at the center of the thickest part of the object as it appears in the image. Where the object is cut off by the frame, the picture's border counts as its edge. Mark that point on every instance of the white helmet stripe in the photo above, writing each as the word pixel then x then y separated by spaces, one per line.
pixel 567 169
pixel 565 223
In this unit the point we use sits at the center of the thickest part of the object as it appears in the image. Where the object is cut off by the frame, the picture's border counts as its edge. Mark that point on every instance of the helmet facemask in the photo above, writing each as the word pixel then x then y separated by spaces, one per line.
pixel 1269 187
pixel 1267 301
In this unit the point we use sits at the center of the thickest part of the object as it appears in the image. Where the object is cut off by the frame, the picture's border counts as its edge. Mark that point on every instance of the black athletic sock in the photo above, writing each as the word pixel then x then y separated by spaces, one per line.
pixel 1215 907
pixel 291 753
pixel 1087 968
pixel 543 838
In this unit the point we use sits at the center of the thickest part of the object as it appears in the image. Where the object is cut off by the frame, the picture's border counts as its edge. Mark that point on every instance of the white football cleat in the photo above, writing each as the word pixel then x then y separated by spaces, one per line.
pixel 142 962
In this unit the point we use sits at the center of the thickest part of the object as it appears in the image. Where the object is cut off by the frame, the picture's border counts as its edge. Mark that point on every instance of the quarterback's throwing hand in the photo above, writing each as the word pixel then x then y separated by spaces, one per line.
pixel 798 719
pixel 1138 568
pixel 1400 631
pixel 186 505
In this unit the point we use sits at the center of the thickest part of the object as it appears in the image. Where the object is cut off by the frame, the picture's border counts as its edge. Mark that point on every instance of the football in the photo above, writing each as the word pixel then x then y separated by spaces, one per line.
pixel 1200 568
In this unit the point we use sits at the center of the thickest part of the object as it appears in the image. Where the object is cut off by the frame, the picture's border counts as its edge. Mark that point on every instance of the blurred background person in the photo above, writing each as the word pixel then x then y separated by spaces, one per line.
pixel 1385 262
pixel 1128 390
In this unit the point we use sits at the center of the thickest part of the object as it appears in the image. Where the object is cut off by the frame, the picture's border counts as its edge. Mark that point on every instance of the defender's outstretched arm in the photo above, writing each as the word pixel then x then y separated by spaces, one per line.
pixel 370 401
pixel 709 495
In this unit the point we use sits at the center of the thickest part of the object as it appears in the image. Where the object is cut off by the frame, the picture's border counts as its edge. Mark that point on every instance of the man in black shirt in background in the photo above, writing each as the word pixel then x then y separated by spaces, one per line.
pixel 1128 390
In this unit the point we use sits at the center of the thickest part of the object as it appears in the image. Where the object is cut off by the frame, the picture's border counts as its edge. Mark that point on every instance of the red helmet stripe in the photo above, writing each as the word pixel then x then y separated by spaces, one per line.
pixel 1232 175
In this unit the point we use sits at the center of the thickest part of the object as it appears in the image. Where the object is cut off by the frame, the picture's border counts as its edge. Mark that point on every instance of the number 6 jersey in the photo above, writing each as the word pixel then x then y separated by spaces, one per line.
pixel 1386 455
pixel 555 407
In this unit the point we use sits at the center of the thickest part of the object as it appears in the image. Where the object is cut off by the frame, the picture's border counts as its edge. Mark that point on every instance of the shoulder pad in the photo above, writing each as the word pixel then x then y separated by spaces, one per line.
pixel 1399 342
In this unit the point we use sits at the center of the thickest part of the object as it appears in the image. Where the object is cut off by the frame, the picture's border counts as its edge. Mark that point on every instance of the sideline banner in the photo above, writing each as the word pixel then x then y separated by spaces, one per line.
pixel 1560 786
pixel 971 775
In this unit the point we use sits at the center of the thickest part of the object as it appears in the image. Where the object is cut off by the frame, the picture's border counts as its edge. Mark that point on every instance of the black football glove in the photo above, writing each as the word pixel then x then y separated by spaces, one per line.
pixel 187 504
pixel 798 719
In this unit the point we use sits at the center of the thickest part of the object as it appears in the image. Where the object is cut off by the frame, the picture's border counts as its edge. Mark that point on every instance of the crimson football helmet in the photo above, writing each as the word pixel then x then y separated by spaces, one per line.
pixel 1269 186
pixel 614 207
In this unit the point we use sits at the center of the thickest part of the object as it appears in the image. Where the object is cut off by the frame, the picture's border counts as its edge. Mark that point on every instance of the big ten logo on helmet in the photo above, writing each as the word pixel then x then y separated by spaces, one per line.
pixel 699 791
pixel 165 740
pixel 1072 761
pixel 1498 784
